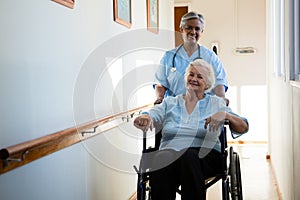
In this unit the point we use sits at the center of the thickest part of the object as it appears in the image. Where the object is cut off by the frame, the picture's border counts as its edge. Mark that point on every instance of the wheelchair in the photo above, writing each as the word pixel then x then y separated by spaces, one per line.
pixel 230 176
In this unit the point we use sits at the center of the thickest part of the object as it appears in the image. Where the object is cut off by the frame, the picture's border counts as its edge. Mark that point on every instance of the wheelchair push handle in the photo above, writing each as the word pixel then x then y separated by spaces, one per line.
pixel 144 140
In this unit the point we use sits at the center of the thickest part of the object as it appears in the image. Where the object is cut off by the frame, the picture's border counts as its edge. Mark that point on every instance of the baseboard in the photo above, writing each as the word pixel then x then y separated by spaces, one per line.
pixel 133 197
pixel 246 142
pixel 275 178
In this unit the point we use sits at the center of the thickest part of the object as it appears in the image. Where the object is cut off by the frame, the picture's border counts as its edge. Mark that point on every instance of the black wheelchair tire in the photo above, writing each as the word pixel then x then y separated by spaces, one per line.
pixel 141 190
pixel 225 189
pixel 235 176
pixel 239 177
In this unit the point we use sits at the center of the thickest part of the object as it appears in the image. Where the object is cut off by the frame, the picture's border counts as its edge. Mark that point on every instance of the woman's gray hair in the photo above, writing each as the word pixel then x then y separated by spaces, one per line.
pixel 192 15
pixel 210 76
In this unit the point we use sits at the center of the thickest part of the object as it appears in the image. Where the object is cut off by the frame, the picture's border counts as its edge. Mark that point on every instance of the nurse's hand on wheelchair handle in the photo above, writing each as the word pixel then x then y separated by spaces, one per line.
pixel 226 101
pixel 143 122
pixel 158 101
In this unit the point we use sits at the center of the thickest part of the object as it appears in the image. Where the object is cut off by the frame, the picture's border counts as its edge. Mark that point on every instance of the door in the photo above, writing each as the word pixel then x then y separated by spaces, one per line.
pixel 178 13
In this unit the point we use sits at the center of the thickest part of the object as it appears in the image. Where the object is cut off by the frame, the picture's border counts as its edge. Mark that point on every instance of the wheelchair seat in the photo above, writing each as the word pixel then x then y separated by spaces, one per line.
pixel 230 175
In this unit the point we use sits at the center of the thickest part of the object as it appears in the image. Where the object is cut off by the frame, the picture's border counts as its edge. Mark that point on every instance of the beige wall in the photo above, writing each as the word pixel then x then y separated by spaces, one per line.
pixel 235 25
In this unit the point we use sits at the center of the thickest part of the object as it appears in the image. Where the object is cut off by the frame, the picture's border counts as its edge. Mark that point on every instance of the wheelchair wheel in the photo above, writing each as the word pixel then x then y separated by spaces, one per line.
pixel 225 189
pixel 235 176
pixel 143 189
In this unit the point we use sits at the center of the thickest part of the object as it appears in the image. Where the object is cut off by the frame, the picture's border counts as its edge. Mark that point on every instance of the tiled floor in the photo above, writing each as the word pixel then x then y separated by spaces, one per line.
pixel 257 177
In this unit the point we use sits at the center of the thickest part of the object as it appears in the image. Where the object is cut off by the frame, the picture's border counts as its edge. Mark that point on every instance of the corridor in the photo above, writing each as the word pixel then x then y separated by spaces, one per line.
pixel 258 182
pixel 257 176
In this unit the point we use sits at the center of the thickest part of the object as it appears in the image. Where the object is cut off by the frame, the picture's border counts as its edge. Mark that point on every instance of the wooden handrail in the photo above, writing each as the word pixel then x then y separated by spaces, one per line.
pixel 20 154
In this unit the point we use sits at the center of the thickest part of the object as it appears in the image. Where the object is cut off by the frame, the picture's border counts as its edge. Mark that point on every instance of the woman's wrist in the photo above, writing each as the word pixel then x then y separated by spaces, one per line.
pixel 227 116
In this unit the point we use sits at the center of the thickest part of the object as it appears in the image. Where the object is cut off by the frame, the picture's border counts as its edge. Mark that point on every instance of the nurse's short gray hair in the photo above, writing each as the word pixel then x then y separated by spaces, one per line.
pixel 192 15
pixel 210 76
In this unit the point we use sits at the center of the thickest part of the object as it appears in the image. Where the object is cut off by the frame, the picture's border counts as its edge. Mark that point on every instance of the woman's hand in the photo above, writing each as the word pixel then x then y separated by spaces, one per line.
pixel 215 121
pixel 143 122
pixel 236 123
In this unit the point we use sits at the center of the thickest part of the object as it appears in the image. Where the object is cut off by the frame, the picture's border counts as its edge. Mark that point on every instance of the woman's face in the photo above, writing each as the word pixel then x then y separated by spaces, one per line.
pixel 191 31
pixel 196 79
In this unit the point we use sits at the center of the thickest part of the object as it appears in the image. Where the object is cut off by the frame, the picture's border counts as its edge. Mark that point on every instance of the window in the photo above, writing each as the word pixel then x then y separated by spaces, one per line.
pixel 294 40
pixel 280 44
pixel 277 38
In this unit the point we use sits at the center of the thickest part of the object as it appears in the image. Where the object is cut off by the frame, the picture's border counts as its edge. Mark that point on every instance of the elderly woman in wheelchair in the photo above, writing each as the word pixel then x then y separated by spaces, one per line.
pixel 190 149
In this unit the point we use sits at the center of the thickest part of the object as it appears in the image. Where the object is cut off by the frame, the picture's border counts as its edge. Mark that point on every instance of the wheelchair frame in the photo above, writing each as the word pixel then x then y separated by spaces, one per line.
pixel 230 176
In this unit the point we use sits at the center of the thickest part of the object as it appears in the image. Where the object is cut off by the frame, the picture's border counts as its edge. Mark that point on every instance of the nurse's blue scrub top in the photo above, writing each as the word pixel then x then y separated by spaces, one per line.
pixel 172 77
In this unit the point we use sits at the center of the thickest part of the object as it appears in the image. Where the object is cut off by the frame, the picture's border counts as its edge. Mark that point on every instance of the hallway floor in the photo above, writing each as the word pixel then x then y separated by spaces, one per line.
pixel 258 182
pixel 257 177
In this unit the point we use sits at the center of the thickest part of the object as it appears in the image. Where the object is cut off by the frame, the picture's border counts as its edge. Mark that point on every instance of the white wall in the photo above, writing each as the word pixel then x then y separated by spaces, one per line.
pixel 284 112
pixel 52 59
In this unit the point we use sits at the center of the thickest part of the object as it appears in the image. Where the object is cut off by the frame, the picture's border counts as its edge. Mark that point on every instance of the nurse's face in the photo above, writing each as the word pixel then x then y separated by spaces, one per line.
pixel 196 79
pixel 191 31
